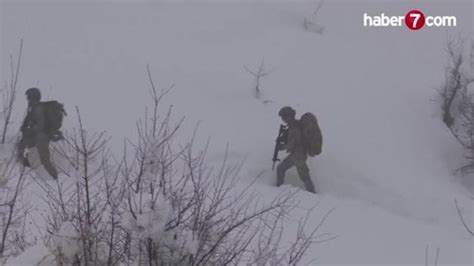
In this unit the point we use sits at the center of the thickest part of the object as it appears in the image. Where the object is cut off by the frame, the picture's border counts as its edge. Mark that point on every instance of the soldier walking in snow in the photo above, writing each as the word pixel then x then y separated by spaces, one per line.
pixel 303 139
pixel 41 125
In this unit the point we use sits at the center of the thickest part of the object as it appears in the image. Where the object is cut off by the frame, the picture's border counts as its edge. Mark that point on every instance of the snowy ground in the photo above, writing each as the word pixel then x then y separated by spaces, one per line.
pixel 387 159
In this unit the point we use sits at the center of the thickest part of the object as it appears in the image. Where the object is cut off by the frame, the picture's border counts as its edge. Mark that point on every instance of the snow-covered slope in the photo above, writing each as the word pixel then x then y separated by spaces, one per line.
pixel 387 160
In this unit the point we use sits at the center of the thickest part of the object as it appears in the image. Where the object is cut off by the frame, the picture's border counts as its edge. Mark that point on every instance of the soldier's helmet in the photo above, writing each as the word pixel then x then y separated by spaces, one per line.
pixel 287 111
pixel 33 93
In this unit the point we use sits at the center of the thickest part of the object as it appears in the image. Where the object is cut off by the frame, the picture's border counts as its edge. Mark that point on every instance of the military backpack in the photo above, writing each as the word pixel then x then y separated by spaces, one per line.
pixel 312 137
pixel 54 113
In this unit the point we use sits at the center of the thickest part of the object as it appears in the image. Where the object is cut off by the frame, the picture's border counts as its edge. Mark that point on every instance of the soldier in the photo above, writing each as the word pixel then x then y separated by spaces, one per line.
pixel 35 133
pixel 296 149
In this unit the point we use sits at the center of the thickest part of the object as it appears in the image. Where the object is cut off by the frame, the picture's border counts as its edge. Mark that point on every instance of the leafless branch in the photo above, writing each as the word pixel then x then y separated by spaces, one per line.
pixel 260 73
pixel 318 7
pixel 12 210
pixel 427 256
pixel 10 94
pixel 461 217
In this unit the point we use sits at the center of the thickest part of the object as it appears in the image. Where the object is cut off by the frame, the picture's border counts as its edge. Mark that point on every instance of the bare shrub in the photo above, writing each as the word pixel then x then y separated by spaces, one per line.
pixel 458 102
pixel 83 214
pixel 258 75
pixel 198 216
pixel 455 81
pixel 13 205
pixel 13 208
pixel 9 94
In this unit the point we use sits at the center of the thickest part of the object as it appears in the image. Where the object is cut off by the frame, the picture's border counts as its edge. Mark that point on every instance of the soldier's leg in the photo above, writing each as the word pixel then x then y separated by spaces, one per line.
pixel 20 147
pixel 25 142
pixel 303 172
pixel 286 164
pixel 42 145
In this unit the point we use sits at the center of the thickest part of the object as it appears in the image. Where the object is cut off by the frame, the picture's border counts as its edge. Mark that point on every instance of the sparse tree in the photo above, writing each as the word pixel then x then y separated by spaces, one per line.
pixel 454 81
pixel 13 205
pixel 9 94
pixel 458 102
pixel 80 212
pixel 258 75
pixel 13 209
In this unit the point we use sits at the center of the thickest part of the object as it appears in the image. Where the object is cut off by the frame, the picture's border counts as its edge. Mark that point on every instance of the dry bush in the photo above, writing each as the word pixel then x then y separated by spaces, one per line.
pixel 8 93
pixel 457 101
pixel 260 73
pixel 13 206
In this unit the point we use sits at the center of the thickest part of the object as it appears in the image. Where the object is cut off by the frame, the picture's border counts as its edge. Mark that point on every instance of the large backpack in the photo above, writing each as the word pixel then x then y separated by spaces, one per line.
pixel 54 113
pixel 312 137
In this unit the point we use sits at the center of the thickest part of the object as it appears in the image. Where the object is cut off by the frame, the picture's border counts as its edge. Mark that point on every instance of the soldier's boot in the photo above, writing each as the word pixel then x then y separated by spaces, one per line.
pixel 286 164
pixel 280 177
pixel 303 172
pixel 43 151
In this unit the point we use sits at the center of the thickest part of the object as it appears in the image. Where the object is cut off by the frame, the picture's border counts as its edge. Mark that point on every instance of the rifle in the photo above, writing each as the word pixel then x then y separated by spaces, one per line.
pixel 279 142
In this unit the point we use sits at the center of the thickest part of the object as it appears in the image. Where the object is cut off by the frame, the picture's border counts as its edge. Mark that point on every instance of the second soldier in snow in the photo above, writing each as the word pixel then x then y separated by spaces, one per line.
pixel 298 145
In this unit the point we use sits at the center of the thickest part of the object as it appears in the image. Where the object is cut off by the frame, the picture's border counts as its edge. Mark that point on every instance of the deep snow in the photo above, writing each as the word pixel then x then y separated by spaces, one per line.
pixel 388 161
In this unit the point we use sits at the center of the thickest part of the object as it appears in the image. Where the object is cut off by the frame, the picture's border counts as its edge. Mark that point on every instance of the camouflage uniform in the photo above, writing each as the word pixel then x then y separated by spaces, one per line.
pixel 34 135
pixel 297 157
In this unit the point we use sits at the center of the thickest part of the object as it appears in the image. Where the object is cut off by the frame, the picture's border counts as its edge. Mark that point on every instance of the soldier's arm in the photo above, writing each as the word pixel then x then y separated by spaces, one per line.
pixel 39 120
pixel 290 145
pixel 25 124
pixel 282 140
